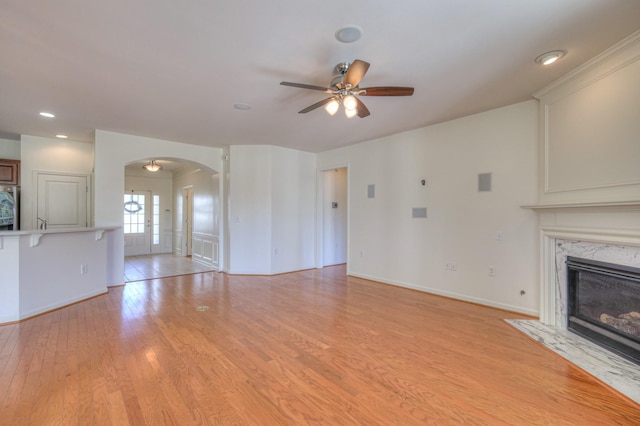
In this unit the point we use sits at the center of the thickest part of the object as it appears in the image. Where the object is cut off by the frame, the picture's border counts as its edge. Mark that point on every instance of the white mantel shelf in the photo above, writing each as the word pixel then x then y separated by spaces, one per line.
pixel 607 205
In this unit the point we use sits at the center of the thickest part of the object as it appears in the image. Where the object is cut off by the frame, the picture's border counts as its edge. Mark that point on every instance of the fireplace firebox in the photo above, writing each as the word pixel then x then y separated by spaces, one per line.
pixel 604 305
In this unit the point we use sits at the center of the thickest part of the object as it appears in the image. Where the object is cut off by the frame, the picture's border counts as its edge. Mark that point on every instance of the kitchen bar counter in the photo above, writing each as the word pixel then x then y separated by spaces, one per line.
pixel 42 270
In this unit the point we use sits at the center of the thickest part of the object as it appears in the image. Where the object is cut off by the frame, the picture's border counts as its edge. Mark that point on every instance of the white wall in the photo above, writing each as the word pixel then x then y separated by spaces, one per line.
pixel 50 273
pixel 161 183
pixel 293 196
pixel 48 155
pixel 250 210
pixel 112 152
pixel 271 209
pixel 387 245
pixel 9 149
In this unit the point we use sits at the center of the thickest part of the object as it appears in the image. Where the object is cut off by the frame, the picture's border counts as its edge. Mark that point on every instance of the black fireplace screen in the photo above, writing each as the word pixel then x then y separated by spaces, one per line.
pixel 604 304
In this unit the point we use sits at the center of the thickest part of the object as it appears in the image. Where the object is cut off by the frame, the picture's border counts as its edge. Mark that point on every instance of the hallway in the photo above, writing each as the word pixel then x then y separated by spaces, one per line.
pixel 138 268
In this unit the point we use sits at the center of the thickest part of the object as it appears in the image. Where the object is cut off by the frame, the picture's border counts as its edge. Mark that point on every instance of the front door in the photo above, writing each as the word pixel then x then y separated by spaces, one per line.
pixel 137 223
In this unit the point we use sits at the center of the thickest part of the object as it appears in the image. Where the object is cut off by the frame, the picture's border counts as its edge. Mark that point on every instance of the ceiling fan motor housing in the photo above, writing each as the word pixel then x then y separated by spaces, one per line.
pixel 341 69
pixel 335 81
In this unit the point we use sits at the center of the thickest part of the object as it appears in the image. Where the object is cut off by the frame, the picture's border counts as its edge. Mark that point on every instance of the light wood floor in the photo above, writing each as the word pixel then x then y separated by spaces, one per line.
pixel 313 347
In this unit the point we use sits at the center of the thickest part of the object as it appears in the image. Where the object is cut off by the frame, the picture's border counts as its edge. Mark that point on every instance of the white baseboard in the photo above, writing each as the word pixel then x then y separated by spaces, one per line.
pixel 61 304
pixel 462 297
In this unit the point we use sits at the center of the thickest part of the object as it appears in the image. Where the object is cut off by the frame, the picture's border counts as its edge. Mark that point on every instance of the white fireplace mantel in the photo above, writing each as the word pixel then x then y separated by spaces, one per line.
pixel 606 229
pixel 587 206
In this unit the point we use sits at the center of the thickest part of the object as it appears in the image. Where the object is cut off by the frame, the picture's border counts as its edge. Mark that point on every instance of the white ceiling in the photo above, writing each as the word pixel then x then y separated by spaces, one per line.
pixel 174 69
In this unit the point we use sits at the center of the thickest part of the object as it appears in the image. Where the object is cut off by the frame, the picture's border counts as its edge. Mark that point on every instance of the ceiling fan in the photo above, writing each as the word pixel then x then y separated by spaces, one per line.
pixel 344 89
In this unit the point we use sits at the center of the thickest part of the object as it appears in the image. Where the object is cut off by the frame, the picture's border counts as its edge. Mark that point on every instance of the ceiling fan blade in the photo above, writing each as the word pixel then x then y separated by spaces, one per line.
pixel 356 71
pixel 386 91
pixel 308 86
pixel 362 109
pixel 316 105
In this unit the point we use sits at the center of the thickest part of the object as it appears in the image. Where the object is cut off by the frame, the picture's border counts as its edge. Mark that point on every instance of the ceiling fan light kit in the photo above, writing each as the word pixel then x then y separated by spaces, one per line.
pixel 345 90
pixel 332 107
pixel 349 103
pixel 350 113
pixel 152 166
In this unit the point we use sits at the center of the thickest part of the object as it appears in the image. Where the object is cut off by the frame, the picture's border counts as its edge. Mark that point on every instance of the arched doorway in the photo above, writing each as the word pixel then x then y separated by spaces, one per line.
pixel 171 218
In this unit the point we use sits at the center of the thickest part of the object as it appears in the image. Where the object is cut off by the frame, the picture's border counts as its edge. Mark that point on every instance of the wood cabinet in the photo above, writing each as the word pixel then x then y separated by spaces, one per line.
pixel 9 172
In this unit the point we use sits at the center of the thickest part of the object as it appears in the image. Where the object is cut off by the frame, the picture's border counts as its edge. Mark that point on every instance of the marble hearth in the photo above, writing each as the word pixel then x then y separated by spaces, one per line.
pixel 607 233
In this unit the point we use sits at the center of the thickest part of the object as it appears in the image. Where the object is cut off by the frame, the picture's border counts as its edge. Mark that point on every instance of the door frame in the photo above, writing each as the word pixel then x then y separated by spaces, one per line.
pixel 187 220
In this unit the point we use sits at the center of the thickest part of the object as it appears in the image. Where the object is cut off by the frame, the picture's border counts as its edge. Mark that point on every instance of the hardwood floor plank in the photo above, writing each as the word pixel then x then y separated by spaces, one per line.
pixel 312 347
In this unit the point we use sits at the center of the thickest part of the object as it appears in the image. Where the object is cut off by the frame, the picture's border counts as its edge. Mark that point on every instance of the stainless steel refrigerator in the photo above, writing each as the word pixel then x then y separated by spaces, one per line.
pixel 9 207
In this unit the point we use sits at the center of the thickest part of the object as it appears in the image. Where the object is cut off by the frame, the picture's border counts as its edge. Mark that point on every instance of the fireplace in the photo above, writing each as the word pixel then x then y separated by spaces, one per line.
pixel 604 305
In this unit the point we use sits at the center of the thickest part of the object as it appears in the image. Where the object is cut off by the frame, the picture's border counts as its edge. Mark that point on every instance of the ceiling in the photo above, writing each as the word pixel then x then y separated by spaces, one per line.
pixel 174 69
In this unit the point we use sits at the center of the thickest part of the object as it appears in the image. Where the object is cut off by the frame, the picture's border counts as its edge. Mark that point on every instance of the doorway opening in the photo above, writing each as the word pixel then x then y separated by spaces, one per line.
pixel 171 219
pixel 334 217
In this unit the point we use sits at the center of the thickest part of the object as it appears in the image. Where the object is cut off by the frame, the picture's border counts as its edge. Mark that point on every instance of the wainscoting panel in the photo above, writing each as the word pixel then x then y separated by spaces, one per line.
pixel 205 249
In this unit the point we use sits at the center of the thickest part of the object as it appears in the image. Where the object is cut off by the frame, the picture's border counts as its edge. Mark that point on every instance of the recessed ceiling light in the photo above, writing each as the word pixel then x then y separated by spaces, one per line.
pixel 61 136
pixel 242 107
pixel 349 34
pixel 550 57
pixel 47 114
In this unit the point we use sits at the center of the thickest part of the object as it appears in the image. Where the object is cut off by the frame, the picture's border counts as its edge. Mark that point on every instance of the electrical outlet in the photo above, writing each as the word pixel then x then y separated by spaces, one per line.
pixel 361 253
pixel 500 235
pixel 454 267
pixel 492 271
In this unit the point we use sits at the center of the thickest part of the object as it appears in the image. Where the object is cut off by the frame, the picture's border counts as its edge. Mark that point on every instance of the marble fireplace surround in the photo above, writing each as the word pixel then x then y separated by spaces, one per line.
pixel 620 247
pixel 608 232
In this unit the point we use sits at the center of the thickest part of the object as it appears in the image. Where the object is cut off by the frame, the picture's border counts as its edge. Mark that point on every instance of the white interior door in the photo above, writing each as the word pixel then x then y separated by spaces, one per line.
pixel 137 223
pixel 62 200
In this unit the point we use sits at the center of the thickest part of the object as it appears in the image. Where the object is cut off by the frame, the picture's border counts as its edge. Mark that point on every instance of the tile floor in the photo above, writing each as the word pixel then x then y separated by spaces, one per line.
pixel 138 268
pixel 617 372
